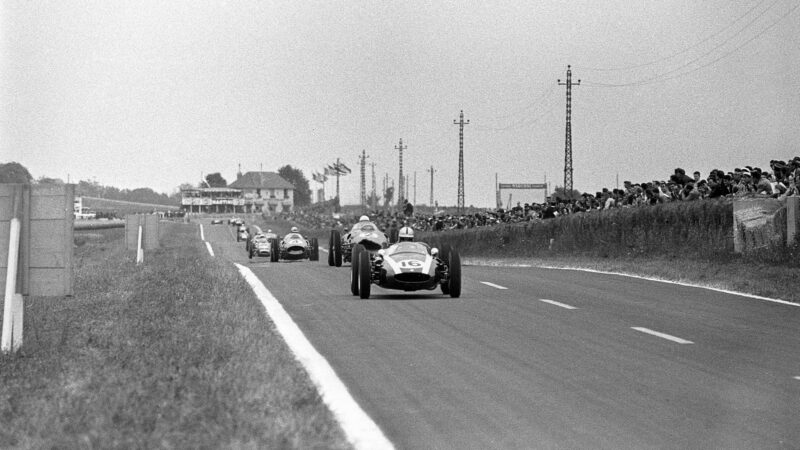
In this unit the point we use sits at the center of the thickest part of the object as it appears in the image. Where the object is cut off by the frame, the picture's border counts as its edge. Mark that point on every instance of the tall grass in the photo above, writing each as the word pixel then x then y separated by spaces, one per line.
pixel 176 352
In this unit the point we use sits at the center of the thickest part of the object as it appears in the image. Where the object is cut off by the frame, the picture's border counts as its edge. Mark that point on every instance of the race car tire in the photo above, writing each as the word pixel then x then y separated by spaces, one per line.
pixel 454 282
pixel 274 251
pixel 444 255
pixel 331 260
pixel 337 248
pixel 314 253
pixel 364 274
pixel 354 271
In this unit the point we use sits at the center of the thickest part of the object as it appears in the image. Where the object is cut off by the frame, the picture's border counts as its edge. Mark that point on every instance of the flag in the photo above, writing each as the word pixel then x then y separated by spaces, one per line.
pixel 342 168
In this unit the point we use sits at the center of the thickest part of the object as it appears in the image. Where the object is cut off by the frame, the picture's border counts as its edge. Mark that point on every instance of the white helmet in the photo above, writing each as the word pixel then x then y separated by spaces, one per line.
pixel 406 234
pixel 363 219
pixel 294 230
pixel 269 231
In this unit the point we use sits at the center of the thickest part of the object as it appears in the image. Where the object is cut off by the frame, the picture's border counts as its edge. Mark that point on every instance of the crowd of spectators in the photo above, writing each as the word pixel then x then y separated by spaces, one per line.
pixel 780 181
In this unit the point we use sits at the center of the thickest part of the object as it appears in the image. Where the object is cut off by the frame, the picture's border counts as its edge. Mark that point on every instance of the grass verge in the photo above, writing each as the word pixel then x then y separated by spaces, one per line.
pixel 176 352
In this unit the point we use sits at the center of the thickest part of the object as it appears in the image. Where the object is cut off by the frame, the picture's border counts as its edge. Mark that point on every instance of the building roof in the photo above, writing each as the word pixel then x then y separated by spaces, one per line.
pixel 261 180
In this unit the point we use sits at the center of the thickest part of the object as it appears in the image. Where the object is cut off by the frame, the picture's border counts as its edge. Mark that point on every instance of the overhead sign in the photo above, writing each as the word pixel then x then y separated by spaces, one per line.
pixel 523 186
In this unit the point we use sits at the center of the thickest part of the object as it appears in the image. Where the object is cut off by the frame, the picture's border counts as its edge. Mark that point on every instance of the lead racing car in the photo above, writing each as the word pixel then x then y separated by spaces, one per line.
pixel 406 266
pixel 364 233
pixel 294 246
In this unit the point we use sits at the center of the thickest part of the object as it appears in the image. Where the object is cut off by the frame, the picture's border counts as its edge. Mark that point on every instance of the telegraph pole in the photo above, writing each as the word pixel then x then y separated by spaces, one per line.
pixel 363 162
pixel 461 124
pixel 400 191
pixel 431 171
pixel 568 140
pixel 415 187
pixel 373 196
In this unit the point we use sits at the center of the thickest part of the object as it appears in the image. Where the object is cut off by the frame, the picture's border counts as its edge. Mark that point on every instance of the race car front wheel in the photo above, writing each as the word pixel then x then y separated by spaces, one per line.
pixel 364 274
pixel 354 274
pixel 454 281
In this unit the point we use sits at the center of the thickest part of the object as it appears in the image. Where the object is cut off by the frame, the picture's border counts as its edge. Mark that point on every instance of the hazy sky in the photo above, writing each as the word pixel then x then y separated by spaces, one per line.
pixel 154 93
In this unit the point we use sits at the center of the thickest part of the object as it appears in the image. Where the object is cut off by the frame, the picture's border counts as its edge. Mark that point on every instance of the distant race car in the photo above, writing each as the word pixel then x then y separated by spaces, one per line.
pixel 406 266
pixel 216 221
pixel 294 246
pixel 235 221
pixel 241 233
pixel 364 233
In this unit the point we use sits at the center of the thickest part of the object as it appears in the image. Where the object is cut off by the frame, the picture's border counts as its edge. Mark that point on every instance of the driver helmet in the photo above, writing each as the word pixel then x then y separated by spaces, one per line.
pixel 269 231
pixel 363 219
pixel 294 230
pixel 406 234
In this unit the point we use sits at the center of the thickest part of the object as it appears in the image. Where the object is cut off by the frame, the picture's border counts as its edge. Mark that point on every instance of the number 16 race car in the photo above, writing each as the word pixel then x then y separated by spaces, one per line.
pixel 406 266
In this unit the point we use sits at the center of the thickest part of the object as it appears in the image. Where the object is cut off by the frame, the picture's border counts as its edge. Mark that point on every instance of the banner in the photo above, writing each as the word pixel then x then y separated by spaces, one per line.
pixel 522 186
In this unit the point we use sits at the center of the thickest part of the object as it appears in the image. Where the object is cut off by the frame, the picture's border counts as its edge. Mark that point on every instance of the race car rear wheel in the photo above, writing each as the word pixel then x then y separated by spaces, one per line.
pixel 337 248
pixel 274 251
pixel 364 274
pixel 314 253
pixel 354 271
pixel 454 281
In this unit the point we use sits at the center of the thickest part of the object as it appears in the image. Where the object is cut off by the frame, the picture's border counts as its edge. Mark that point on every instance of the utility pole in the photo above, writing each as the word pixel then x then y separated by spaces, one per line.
pixel 568 140
pixel 498 201
pixel 400 191
pixel 461 124
pixel 373 197
pixel 431 171
pixel 415 187
pixel 363 162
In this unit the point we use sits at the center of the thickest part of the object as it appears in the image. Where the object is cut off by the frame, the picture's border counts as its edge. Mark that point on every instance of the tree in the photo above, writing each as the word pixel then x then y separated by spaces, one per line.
pixel 48 180
pixel 302 193
pixel 561 194
pixel 215 180
pixel 14 172
pixel 388 196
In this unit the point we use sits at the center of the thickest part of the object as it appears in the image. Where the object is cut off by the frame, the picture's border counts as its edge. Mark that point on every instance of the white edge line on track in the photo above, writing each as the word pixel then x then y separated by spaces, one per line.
pixel 553 302
pixel 496 286
pixel 208 246
pixel 202 235
pixel 360 429
pixel 668 337
pixel 629 275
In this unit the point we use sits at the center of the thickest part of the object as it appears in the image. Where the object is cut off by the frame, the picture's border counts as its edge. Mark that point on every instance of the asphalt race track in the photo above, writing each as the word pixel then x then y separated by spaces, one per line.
pixel 542 358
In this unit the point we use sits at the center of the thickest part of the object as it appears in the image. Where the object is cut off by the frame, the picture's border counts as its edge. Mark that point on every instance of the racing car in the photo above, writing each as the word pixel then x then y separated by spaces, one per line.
pixel 406 266
pixel 364 233
pixel 294 246
pixel 260 245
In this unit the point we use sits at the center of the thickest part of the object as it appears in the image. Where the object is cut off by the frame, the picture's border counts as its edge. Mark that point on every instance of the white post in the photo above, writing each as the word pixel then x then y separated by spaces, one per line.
pixel 139 250
pixel 11 287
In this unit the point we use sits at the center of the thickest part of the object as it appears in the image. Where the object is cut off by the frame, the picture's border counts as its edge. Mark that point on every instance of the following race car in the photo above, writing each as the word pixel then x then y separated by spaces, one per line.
pixel 241 233
pixel 364 233
pixel 406 266
pixel 260 245
pixel 294 246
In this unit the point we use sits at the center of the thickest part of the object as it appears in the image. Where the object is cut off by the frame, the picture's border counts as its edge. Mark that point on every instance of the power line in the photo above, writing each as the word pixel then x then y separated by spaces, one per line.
pixel 679 52
pixel 662 77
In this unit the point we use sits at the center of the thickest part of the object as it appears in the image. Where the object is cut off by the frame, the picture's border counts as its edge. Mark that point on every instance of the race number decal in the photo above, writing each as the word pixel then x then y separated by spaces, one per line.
pixel 410 264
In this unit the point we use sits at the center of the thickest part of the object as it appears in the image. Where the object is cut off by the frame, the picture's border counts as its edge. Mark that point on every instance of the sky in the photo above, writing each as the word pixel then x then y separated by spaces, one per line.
pixel 156 94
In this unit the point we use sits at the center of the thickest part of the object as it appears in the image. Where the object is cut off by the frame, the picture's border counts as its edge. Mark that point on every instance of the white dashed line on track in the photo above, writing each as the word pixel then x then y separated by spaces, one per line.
pixel 662 335
pixel 202 235
pixel 496 286
pixel 562 305
pixel 210 250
